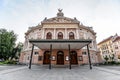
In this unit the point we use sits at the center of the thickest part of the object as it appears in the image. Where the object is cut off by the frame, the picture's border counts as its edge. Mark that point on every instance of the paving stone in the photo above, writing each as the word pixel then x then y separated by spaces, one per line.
pixel 43 73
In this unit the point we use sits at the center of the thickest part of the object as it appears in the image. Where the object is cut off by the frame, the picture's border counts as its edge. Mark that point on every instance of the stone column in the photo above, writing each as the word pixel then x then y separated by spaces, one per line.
pixel 77 33
pixel 54 35
pixel 43 33
pixel 65 33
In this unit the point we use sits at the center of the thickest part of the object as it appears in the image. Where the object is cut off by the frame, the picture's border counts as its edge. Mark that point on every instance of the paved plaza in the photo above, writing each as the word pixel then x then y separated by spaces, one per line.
pixel 58 73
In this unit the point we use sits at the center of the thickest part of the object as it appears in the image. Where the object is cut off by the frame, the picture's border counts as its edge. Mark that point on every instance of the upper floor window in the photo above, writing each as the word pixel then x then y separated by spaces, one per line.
pixel 36 53
pixel 49 35
pixel 60 35
pixel 71 35
pixel 116 47
pixel 84 53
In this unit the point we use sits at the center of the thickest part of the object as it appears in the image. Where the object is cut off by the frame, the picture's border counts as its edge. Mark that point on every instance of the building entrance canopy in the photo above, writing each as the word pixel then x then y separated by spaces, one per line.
pixel 60 44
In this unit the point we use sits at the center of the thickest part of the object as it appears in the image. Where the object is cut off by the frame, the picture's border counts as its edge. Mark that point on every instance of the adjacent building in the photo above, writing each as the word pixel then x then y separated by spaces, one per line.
pixel 110 47
pixel 116 47
pixel 60 41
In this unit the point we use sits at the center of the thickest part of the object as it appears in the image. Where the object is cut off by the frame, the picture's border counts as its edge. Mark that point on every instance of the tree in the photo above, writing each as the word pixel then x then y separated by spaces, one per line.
pixel 16 51
pixel 113 56
pixel 106 58
pixel 7 43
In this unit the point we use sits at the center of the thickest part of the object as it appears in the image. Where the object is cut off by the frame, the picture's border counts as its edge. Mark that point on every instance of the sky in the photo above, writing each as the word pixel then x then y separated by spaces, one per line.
pixel 102 15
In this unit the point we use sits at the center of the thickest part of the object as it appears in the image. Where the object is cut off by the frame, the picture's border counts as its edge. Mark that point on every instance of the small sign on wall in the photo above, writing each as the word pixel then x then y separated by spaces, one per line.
pixel 53 58
pixel 80 58
pixel 67 58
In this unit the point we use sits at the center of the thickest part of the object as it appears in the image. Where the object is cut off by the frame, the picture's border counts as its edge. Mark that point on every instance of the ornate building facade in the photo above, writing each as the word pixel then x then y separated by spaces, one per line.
pixel 63 31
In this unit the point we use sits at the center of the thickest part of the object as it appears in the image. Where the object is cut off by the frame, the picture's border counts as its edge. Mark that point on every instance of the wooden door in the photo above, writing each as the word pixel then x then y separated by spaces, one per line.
pixel 60 58
pixel 46 57
pixel 73 55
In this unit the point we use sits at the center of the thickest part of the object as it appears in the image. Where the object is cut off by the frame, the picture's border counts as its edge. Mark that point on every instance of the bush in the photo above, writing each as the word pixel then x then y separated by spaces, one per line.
pixel 111 63
pixel 8 62
pixel 1 63
pixel 117 63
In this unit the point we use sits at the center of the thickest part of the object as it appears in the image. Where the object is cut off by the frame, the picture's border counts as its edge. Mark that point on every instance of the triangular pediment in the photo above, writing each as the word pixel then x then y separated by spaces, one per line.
pixel 60 20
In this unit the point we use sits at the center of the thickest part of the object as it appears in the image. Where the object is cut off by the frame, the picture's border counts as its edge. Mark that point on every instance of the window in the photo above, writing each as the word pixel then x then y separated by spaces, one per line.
pixel 84 53
pixel 49 35
pixel 39 58
pixel 28 58
pixel 118 56
pixel 60 35
pixel 116 47
pixel 71 35
pixel 36 53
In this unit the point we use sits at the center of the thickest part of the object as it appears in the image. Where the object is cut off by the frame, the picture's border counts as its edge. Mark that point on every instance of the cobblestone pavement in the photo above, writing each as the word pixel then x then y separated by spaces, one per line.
pixel 6 67
pixel 114 67
pixel 61 73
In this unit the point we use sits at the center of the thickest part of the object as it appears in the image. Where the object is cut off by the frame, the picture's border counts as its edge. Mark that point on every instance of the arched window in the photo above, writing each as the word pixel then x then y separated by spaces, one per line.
pixel 49 35
pixel 60 35
pixel 71 35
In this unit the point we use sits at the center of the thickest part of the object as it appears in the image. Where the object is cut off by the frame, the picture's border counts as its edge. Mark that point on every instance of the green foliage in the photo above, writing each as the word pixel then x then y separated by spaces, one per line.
pixel 112 57
pixel 1 63
pixel 7 43
pixel 16 51
pixel 8 62
pixel 8 51
pixel 111 63
pixel 106 58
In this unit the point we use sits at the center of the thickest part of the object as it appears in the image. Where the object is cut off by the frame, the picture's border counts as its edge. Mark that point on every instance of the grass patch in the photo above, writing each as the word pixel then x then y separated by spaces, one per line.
pixel 8 62
pixel 1 63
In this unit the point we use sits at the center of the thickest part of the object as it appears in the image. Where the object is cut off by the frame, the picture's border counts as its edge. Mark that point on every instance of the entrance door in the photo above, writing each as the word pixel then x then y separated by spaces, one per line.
pixel 73 55
pixel 46 57
pixel 60 57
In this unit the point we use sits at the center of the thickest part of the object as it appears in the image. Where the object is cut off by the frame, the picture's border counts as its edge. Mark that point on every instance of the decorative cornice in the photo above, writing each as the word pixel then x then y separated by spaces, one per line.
pixel 88 29
pixel 33 28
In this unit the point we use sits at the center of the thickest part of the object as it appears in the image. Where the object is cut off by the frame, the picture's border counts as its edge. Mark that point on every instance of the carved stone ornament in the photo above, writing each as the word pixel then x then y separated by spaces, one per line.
pixel 60 19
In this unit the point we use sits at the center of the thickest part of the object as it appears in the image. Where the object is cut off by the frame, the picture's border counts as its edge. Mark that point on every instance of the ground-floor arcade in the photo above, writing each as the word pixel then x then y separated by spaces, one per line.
pixel 60 57
pixel 41 57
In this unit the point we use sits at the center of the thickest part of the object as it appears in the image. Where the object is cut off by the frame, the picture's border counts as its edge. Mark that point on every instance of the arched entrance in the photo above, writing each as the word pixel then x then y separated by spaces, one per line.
pixel 60 57
pixel 46 59
pixel 73 55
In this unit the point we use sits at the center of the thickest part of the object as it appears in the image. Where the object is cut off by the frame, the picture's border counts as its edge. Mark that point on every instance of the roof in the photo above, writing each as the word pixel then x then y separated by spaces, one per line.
pixel 118 38
pixel 60 20
pixel 109 38
pixel 60 43
pixel 33 28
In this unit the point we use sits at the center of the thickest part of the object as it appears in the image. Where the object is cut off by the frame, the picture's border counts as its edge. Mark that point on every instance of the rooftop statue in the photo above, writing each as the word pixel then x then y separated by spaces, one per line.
pixel 60 10
pixel 60 13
